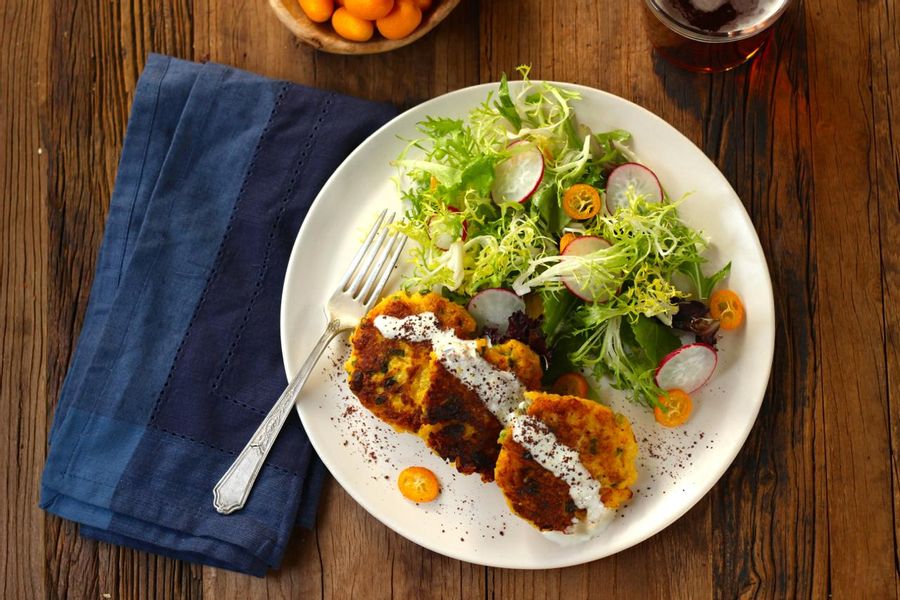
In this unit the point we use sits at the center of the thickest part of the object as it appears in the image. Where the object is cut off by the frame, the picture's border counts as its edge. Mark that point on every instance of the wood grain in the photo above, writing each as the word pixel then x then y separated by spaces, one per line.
pixel 849 320
pixel 805 134
pixel 758 132
pixel 24 283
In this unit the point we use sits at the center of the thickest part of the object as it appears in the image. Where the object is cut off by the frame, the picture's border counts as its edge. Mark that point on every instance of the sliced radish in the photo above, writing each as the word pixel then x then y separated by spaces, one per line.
pixel 585 245
pixel 634 178
pixel 687 368
pixel 516 178
pixel 493 308
pixel 443 234
pixel 582 246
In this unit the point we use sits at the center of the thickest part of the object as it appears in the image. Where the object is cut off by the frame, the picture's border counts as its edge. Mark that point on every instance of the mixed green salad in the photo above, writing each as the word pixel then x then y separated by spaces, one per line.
pixel 558 236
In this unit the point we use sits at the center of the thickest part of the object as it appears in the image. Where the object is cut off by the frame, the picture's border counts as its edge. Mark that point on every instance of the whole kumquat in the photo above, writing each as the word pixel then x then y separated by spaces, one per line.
pixel 317 10
pixel 350 27
pixel 726 307
pixel 674 408
pixel 369 9
pixel 571 384
pixel 418 484
pixel 401 21
pixel 423 4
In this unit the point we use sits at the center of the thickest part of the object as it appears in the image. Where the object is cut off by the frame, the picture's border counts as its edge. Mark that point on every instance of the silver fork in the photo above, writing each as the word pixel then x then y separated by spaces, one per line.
pixel 358 291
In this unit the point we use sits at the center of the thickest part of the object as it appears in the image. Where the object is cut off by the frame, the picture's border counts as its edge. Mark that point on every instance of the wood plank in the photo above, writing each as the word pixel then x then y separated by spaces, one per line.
pixel 882 32
pixel 23 296
pixel 850 389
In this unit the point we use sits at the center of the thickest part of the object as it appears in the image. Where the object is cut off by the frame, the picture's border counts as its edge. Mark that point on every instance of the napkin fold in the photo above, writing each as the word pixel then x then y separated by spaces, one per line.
pixel 179 356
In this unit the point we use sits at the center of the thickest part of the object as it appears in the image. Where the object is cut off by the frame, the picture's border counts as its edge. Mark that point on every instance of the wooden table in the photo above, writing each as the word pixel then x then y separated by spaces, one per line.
pixel 811 506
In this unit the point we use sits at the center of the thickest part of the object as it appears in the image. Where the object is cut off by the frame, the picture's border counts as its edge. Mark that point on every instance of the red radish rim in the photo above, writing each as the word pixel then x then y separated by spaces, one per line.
pixel 538 179
pixel 465 224
pixel 493 291
pixel 644 167
pixel 677 351
pixel 630 165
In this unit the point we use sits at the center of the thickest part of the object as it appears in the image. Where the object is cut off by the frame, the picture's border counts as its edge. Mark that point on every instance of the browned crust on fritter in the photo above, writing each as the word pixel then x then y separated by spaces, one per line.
pixel 457 424
pixel 603 440
pixel 390 377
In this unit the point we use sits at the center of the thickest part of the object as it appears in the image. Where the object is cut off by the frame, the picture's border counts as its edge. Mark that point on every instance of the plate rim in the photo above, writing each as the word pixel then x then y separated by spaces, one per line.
pixel 768 344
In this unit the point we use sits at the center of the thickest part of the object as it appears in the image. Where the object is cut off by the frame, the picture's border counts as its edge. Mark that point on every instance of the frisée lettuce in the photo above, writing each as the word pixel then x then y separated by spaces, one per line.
pixel 608 311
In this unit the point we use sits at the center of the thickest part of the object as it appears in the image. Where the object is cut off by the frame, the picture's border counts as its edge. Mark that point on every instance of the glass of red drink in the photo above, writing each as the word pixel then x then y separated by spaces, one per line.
pixel 710 35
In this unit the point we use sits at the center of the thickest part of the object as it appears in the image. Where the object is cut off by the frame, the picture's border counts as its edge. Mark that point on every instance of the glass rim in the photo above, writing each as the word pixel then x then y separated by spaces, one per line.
pixel 713 37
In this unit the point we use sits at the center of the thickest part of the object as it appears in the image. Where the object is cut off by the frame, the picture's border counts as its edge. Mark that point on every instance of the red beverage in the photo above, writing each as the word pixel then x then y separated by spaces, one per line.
pixel 710 35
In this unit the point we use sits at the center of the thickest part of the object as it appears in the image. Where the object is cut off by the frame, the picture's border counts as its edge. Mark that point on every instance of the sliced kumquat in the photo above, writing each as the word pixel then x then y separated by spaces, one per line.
pixel 581 201
pixel 317 10
pixel 674 408
pixel 571 384
pixel 565 240
pixel 401 21
pixel 369 9
pixel 726 307
pixel 351 27
pixel 418 484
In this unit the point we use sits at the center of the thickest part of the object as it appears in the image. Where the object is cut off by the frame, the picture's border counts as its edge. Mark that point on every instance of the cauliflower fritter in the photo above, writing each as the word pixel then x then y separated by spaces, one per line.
pixel 604 442
pixel 391 376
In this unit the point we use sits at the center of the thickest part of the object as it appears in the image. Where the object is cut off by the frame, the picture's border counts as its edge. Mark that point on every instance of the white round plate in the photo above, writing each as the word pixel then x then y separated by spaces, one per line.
pixel 470 520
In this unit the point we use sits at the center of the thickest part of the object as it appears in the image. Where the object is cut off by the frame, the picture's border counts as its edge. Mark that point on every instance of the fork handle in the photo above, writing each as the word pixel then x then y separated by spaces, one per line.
pixel 231 492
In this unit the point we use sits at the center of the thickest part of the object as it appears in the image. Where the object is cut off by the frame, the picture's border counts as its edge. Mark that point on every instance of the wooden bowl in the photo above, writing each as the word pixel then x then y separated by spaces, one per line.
pixel 322 37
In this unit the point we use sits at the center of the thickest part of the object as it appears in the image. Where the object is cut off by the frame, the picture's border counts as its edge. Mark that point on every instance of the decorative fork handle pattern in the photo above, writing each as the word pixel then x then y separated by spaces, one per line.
pixel 234 487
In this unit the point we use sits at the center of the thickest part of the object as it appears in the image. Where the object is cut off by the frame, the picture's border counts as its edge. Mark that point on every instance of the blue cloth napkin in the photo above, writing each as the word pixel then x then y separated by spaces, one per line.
pixel 179 356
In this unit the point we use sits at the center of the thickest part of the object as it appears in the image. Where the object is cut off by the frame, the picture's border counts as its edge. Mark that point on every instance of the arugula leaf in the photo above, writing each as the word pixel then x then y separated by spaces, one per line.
pixel 703 285
pixel 655 339
pixel 479 176
pixel 558 304
pixel 545 204
pixel 609 154
pixel 571 130
pixel 505 105
pixel 560 362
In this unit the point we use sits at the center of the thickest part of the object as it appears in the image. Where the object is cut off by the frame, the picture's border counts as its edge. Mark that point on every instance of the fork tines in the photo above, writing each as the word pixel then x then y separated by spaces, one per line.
pixel 371 267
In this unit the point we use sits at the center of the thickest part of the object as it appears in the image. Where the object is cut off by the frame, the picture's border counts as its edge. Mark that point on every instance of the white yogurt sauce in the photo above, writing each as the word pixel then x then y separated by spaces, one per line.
pixel 500 390
pixel 502 393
